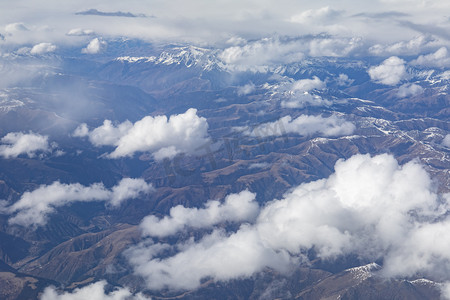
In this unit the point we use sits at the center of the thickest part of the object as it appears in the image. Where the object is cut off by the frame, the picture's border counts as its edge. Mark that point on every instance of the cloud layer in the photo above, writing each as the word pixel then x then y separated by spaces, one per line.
pixel 371 206
pixel 34 207
pixel 18 143
pixel 345 25
pixel 162 136
pixel 266 53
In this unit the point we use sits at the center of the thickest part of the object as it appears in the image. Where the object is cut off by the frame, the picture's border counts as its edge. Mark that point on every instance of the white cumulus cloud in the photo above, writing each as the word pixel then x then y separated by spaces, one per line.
pixel 15 27
pixel 246 89
pixel 217 255
pixel 304 125
pixel 236 208
pixel 261 53
pixel 94 291
pixel 390 72
pixel 370 206
pixel 297 94
pixel 262 165
pixel 107 134
pixel 438 59
pixel 80 32
pixel 95 46
pixel 305 85
pixel 81 131
pixel 128 188
pixel 300 100
pixel 410 47
pixel 17 143
pixel 162 136
pixel 322 15
pixel 334 46
pixel 43 48
pixel 344 80
pixel 33 207
pixel 409 89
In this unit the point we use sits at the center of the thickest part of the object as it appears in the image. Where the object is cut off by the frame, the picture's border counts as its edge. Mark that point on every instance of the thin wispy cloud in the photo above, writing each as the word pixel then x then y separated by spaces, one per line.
pixel 95 12
pixel 382 15
pixel 304 125
pixel 34 207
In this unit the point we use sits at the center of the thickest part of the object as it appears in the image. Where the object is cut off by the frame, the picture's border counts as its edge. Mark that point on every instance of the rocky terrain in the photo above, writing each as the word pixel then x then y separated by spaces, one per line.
pixel 84 242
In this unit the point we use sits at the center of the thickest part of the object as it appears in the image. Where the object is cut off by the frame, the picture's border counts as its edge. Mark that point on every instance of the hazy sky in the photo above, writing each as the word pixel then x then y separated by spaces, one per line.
pixel 207 22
